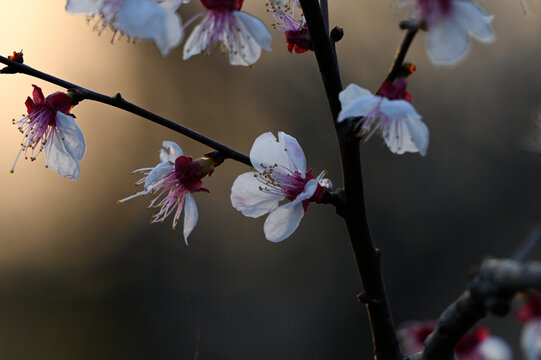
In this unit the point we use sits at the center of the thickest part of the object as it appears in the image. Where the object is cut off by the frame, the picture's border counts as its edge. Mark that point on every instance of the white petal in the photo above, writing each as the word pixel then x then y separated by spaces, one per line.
pixel 190 216
pixel 360 106
pixel 161 170
pixel 174 151
pixel 171 34
pixel 294 151
pixel 283 221
pixel 248 199
pixel 405 131
pixel 197 42
pixel 256 28
pixel 60 159
pixel 141 19
pixel 530 339
pixel 351 93
pixel 447 41
pixel 84 6
pixel 267 151
pixel 495 348
pixel 474 20
pixel 173 5
pixel 309 190
pixel 398 108
pixel 74 139
pixel 242 47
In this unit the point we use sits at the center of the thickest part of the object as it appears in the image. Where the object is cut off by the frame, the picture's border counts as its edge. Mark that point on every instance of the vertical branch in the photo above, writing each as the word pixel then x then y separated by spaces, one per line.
pixel 367 256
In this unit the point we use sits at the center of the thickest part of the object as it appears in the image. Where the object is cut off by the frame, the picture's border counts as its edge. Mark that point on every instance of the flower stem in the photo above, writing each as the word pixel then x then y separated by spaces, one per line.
pixel 118 102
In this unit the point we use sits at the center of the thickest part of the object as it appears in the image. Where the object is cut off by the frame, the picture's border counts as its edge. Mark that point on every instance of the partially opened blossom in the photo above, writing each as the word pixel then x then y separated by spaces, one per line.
pixel 50 127
pixel 450 23
pixel 477 344
pixel 154 20
pixel 279 173
pixel 295 31
pixel 530 315
pixel 172 182
pixel 236 33
pixel 390 114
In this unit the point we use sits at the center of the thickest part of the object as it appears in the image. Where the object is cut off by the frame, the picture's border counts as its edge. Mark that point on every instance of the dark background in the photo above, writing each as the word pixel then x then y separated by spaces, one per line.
pixel 84 278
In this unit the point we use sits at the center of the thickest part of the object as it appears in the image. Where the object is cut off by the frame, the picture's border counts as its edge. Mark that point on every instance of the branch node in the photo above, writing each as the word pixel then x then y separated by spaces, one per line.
pixel 337 33
pixel 367 300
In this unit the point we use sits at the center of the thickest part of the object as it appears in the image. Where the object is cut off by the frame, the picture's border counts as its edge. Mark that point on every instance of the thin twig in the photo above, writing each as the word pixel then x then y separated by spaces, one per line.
pixel 528 247
pixel 411 27
pixel 118 102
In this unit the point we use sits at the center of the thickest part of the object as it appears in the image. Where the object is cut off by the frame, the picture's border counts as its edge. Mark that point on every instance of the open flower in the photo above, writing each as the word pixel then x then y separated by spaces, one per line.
pixel 450 23
pixel 530 315
pixel 279 173
pixel 295 31
pixel 474 345
pixel 390 113
pixel 154 20
pixel 49 126
pixel 234 32
pixel 172 182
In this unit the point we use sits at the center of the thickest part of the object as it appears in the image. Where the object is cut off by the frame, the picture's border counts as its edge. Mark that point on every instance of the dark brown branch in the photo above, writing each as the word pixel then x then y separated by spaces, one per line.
pixel 118 102
pixel 411 27
pixel 491 291
pixel 367 256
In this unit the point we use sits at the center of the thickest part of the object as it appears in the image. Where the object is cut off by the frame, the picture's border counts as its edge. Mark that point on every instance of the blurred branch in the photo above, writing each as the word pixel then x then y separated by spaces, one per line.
pixel 118 102
pixel 367 257
pixel 492 290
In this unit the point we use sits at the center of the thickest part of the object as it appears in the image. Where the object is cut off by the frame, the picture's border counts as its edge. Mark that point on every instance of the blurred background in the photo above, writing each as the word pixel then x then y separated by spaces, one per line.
pixel 84 278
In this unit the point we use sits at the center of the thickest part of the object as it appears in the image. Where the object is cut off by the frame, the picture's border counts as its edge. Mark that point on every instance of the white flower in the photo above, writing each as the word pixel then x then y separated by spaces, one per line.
pixel 50 126
pixel 279 173
pixel 234 32
pixel 450 23
pixel 154 20
pixel 390 114
pixel 172 182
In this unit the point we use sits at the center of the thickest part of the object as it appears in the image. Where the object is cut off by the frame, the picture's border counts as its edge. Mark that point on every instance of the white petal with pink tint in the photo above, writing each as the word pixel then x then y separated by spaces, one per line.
pixel 247 197
pixel 294 151
pixel 190 216
pixel 530 339
pixel 84 6
pixel 67 149
pixel 283 221
pixel 495 348
pixel 267 151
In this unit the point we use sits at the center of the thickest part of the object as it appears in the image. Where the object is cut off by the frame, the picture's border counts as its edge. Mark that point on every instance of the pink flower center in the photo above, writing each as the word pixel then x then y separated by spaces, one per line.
pixel 434 9
pixel 471 340
pixel 395 90
pixel 298 40
pixel 421 332
pixel 230 5
pixel 190 172
pixel 531 309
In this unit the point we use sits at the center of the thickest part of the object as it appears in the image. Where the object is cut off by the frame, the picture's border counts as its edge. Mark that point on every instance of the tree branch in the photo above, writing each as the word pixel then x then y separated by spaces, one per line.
pixel 366 255
pixel 492 290
pixel 118 102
